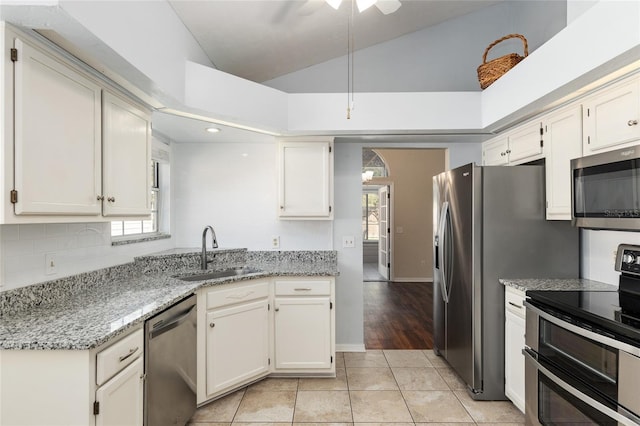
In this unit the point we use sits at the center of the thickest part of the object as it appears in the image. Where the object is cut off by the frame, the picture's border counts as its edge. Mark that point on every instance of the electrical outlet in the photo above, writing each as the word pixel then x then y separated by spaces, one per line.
pixel 50 264
pixel 348 241
pixel 275 242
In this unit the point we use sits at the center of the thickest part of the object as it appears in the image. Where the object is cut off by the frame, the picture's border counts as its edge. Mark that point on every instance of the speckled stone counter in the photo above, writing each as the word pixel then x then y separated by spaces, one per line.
pixel 86 310
pixel 557 284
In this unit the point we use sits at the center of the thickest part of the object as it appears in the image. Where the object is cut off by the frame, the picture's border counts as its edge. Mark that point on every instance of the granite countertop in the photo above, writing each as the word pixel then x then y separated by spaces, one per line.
pixel 87 310
pixel 557 284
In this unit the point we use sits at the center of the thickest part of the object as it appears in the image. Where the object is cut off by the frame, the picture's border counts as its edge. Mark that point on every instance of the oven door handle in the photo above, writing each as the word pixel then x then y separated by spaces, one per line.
pixel 624 416
pixel 584 332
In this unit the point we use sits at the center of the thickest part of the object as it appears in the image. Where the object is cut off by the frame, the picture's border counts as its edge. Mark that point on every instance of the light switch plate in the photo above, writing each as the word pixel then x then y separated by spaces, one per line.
pixel 348 241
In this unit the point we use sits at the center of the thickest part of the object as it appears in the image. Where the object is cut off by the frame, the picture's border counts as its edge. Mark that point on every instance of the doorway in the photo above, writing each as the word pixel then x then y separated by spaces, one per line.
pixel 398 237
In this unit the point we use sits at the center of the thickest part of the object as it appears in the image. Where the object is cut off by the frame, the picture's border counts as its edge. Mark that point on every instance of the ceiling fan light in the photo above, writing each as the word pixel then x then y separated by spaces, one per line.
pixel 334 3
pixel 388 6
pixel 365 4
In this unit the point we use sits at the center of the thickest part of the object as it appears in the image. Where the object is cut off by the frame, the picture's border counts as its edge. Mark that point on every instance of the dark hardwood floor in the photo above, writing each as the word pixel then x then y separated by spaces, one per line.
pixel 398 315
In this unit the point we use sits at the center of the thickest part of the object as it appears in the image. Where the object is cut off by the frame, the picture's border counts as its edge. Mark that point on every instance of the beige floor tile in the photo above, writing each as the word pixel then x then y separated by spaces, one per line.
pixel 419 379
pixel 365 359
pixel 371 379
pixel 262 424
pixel 452 379
pixel 379 406
pixel 208 424
pixel 220 410
pixel 383 424
pixel 322 424
pixel 500 424
pixel 406 358
pixel 323 406
pixel 262 406
pixel 274 384
pixel 490 411
pixel 435 360
pixel 435 406
pixel 340 360
pixel 445 424
pixel 325 383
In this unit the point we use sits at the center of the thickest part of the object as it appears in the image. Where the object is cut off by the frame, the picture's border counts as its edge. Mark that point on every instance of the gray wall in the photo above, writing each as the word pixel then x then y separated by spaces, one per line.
pixel 440 58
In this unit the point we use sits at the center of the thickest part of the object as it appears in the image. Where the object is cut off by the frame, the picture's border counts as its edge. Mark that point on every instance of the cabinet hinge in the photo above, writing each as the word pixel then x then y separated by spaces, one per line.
pixel 14 54
pixel 388 195
pixel 329 149
pixel 330 305
pixel 14 196
pixel 329 209
pixel 331 359
pixel 269 361
pixel 96 408
pixel 541 143
pixel 388 230
pixel 588 139
pixel 268 306
pixel 588 112
pixel 541 132
pixel 388 265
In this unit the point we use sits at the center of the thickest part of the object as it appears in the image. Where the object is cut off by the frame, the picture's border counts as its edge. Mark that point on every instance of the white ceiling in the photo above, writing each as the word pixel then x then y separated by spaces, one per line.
pixel 264 39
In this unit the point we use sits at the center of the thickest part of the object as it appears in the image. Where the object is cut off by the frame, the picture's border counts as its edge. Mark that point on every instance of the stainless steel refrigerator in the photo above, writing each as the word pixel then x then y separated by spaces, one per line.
pixel 489 223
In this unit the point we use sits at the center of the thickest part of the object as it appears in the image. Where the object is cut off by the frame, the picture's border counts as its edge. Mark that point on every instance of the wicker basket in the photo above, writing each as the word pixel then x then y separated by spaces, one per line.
pixel 488 72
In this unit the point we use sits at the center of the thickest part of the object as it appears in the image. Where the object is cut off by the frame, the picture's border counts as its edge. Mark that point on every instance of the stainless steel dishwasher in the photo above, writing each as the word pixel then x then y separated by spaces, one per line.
pixel 170 365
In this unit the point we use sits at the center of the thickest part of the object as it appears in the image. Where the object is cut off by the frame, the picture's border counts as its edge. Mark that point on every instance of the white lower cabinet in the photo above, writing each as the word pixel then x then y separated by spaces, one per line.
pixel 121 399
pixel 303 333
pixel 237 344
pixel 514 341
pixel 103 386
pixel 256 328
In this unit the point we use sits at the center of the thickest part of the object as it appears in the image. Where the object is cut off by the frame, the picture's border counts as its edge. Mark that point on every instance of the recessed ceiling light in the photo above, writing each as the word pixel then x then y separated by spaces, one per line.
pixel 213 129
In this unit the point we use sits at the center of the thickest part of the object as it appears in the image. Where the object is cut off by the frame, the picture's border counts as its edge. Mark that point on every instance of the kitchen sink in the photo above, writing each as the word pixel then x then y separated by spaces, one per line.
pixel 212 275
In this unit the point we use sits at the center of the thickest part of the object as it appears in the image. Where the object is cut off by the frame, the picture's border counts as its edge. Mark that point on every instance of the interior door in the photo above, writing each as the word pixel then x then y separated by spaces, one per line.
pixel 384 258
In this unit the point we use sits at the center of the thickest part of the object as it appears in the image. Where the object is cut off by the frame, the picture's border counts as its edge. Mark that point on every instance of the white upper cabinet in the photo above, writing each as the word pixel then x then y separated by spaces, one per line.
pixel 525 143
pixel 562 143
pixel 612 117
pixel 305 189
pixel 518 146
pixel 57 152
pixel 494 152
pixel 126 149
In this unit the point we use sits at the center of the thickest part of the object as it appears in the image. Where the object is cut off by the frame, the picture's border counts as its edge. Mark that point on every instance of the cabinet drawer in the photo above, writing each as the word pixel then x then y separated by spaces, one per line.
pixel 303 288
pixel 116 357
pixel 514 301
pixel 237 294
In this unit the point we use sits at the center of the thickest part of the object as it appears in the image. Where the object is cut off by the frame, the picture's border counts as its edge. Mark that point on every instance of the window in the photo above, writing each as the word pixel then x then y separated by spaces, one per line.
pixel 370 215
pixel 120 228
pixel 372 165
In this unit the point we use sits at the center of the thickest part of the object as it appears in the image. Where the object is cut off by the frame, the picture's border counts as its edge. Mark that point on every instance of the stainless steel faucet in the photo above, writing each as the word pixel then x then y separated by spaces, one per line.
pixel 214 244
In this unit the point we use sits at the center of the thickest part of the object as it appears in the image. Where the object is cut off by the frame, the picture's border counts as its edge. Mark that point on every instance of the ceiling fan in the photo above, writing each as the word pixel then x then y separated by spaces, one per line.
pixel 385 6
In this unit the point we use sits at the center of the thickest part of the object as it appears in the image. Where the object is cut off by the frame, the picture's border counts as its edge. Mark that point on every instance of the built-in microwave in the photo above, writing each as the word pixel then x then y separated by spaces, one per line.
pixel 605 190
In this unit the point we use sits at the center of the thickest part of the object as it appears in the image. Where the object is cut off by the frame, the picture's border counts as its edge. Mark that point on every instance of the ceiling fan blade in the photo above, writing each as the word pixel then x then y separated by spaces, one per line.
pixel 388 6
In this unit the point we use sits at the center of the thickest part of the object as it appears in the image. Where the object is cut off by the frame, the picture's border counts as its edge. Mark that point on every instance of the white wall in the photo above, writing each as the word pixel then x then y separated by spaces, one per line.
pixel 233 187
pixel 78 247
pixel 575 8
pixel 440 58
pixel 598 253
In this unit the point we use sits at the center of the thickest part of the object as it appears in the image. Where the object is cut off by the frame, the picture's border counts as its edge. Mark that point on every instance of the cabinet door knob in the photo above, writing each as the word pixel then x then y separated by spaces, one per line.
pixel 277 309
pixel 502 154
pixel 100 197
pixel 281 207
pixel 211 324
pixel 632 123
pixel 111 199
pixel 508 151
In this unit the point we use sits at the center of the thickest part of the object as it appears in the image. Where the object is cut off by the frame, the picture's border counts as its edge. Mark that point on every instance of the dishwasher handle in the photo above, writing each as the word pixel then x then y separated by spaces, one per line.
pixel 171 323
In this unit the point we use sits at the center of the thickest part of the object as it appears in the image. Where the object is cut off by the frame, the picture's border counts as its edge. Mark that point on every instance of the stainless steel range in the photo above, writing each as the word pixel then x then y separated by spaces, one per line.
pixel 583 352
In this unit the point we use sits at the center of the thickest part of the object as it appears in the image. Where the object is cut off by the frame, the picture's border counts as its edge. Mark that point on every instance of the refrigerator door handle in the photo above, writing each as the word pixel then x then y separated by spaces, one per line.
pixel 442 241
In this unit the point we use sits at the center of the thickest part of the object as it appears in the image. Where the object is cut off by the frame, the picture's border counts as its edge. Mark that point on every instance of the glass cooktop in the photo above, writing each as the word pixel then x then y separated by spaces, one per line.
pixel 612 313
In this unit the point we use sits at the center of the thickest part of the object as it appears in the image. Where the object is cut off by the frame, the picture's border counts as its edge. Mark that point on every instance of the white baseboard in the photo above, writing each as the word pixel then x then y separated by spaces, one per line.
pixel 413 280
pixel 350 348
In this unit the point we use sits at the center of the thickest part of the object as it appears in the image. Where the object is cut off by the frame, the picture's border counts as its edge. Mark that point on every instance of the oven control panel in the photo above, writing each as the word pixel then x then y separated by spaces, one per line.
pixel 628 259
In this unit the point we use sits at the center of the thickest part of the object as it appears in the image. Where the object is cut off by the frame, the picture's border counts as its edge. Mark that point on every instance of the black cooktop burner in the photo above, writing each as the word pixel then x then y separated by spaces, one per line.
pixel 612 313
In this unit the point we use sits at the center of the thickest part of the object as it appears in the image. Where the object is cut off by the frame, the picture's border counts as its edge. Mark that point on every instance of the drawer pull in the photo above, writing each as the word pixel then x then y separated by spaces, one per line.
pixel 277 309
pixel 131 352
pixel 212 324
pixel 516 305
pixel 632 123
pixel 302 289
pixel 240 295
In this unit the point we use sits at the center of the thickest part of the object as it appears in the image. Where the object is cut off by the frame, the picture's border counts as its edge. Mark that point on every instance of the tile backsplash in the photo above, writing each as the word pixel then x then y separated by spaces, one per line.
pixel 74 247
